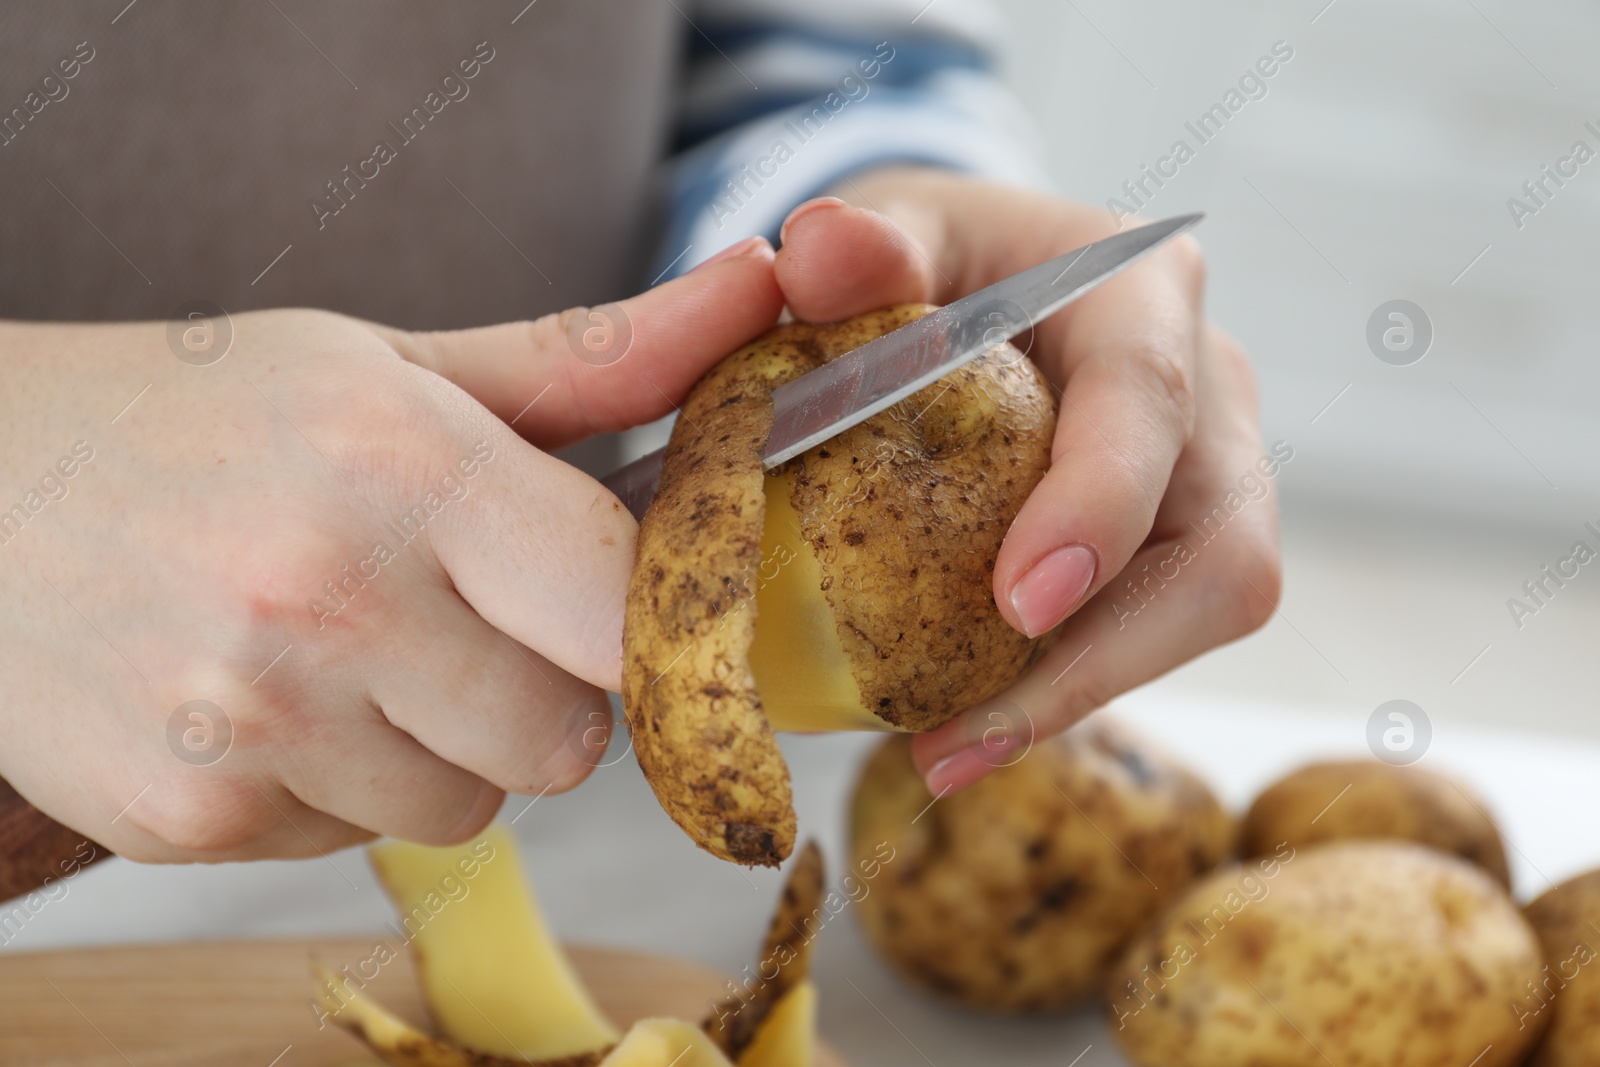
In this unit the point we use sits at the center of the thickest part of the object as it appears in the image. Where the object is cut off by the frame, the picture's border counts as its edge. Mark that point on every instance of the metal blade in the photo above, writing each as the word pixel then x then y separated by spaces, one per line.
pixel 887 369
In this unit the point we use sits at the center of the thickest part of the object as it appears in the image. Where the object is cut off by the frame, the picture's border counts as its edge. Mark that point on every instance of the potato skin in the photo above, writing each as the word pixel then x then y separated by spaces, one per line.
pixel 1016 894
pixel 1381 801
pixel 906 557
pixel 734 1021
pixel 1358 953
pixel 1567 920
pixel 908 567
pixel 693 712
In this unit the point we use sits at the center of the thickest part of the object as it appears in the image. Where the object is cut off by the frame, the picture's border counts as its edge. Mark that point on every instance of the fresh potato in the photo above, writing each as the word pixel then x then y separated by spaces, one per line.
pixel 849 588
pixel 1017 893
pixel 1365 799
pixel 1380 953
pixel 1567 920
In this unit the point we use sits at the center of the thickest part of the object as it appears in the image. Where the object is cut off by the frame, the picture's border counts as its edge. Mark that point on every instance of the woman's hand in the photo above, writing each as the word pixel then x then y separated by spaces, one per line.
pixel 320 588
pixel 1131 544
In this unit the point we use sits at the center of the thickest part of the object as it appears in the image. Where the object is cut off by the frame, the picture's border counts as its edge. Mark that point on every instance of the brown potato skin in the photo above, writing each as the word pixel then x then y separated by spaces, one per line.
pixel 908 568
pixel 1567 920
pixel 1016 894
pixel 1370 953
pixel 1382 802
pixel 786 952
pixel 691 702
pixel 906 557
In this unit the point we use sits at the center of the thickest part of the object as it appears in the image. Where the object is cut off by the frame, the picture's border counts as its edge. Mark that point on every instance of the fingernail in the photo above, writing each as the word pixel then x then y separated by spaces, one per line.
pixel 810 207
pixel 1052 588
pixel 733 251
pixel 954 773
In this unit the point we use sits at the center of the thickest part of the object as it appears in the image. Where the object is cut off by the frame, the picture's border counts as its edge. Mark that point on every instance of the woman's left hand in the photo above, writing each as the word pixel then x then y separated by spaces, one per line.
pixel 1154 535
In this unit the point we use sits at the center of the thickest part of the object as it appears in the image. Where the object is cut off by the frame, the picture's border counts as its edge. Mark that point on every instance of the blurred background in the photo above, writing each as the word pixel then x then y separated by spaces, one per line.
pixel 1378 166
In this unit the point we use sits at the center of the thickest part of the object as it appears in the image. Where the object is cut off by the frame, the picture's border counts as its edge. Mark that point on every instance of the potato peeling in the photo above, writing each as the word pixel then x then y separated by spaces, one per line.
pixel 849 588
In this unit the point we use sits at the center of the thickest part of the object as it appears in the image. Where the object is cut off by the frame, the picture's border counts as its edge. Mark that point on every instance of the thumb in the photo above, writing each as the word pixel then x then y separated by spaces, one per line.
pixel 838 261
pixel 584 371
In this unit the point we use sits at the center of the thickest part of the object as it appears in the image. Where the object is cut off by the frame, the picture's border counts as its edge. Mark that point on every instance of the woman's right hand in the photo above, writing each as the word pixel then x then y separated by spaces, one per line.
pixel 330 584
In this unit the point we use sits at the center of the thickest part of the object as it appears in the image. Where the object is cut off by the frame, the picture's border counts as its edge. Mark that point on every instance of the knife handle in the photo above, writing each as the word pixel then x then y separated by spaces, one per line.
pixel 635 484
pixel 35 849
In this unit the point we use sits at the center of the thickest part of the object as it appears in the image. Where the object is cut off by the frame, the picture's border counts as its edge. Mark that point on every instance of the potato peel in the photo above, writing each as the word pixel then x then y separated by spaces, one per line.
pixel 734 1022
pixel 774 1026
pixel 686 686
pixel 906 558
pixel 400 1044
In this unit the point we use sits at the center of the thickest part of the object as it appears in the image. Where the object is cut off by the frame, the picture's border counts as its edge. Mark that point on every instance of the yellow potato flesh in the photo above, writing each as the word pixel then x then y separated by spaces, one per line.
pixel 787 1037
pixel 496 981
pixel 665 1043
pixel 799 665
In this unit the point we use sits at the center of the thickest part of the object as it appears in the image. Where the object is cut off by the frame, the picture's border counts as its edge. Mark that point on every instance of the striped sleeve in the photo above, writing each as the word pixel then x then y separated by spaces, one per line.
pixel 782 99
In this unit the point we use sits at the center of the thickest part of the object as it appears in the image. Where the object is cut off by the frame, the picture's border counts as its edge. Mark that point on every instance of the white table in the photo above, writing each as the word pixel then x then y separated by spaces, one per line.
pixel 613 870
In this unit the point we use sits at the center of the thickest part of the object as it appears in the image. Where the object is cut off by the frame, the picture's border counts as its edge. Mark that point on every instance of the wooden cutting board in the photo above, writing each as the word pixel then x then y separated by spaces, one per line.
pixel 246 1003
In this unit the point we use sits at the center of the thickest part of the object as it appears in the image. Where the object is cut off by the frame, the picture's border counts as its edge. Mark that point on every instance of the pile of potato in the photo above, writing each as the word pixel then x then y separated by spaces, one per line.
pixel 1359 913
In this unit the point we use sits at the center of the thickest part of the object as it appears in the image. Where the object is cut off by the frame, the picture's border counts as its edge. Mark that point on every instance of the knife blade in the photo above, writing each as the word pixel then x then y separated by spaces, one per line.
pixel 887 369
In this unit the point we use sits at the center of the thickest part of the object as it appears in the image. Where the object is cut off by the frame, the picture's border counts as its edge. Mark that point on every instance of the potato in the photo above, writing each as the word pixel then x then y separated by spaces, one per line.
pixel 1567 920
pixel 851 587
pixel 1379 953
pixel 1017 893
pixel 1365 799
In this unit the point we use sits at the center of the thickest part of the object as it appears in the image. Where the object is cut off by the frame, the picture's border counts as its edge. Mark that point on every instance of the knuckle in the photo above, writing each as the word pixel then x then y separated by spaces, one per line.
pixel 1188 259
pixel 417 411
pixel 403 407
pixel 310 583
pixel 317 322
pixel 1078 694
pixel 1253 578
pixel 1237 371
pixel 1093 691
pixel 1169 378
pixel 203 816
pixel 548 333
pixel 380 426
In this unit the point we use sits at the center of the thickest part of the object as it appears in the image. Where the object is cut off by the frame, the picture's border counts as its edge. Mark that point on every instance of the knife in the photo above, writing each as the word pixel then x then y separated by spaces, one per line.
pixel 887 369
pixel 806 412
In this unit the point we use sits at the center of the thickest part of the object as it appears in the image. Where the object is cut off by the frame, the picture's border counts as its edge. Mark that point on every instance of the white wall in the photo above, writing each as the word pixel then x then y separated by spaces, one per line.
pixel 1391 141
